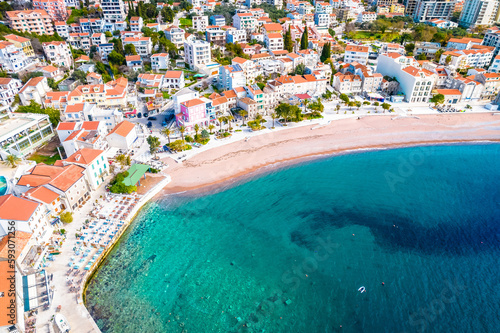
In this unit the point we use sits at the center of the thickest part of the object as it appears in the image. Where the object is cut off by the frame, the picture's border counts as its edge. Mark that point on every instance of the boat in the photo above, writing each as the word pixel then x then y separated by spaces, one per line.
pixel 61 323
pixel 362 289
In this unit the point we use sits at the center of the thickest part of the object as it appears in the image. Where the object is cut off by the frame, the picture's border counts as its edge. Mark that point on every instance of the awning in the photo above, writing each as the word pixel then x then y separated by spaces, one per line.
pixel 135 173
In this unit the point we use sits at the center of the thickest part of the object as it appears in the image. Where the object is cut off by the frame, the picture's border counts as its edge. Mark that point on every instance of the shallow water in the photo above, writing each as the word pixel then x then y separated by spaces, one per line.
pixel 287 251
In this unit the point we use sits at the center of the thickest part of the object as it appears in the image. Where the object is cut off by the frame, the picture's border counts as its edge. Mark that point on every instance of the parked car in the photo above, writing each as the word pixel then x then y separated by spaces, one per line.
pixel 151 118
pixel 150 124
pixel 145 114
pixel 139 115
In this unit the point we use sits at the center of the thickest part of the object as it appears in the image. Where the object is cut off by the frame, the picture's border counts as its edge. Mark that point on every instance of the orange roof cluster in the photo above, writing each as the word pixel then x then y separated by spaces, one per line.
pixel 84 156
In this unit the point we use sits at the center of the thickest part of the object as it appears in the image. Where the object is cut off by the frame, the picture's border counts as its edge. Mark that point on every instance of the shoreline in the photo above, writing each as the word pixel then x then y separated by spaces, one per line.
pixel 290 162
pixel 227 164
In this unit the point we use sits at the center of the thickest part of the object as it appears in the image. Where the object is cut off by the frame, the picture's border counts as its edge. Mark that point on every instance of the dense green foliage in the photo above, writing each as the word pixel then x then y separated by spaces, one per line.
pixel 117 185
pixel 227 10
pixel 54 115
pixel 274 13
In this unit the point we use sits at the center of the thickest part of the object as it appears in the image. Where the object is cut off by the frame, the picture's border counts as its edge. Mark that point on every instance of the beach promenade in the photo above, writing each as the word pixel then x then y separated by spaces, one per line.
pixel 70 299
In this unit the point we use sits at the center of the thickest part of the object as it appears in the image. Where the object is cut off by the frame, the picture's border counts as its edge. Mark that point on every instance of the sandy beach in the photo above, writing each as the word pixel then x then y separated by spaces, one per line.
pixel 237 159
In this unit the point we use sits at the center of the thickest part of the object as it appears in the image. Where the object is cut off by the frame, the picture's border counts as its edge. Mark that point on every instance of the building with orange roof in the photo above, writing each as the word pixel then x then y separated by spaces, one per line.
pixel 95 163
pixel 12 58
pixel 356 53
pixel 21 43
pixel 245 21
pixel 464 43
pixel 37 20
pixel 198 111
pixel 58 187
pixel 29 216
pixel 143 45
pixel 9 88
pixel 122 136
pixel 51 72
pixel 35 89
pixel 55 8
pixel 113 94
pixel 160 61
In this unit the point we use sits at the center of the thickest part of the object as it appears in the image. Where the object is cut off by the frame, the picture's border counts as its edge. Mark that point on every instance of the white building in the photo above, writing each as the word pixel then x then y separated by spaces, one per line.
pixel 160 61
pixel 231 76
pixel 366 17
pixel 122 136
pixel 356 53
pixel 273 41
pixel 9 88
pixel 143 45
pixel 95 163
pixel 136 23
pixel 34 90
pixel 113 10
pixel 478 12
pixel 495 65
pixel 58 53
pixel 426 10
pixel 415 83
pixel 200 23
pixel 175 35
pixel 197 53
pixel 245 21
pixel 12 58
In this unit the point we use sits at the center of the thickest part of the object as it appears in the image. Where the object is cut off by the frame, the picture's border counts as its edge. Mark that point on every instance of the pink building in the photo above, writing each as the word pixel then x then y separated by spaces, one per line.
pixel 55 8
pixel 195 111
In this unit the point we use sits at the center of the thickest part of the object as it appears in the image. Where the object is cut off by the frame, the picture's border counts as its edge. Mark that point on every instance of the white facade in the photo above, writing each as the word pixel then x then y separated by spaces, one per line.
pixel 197 53
pixel 58 53
pixel 160 61
pixel 478 12
pixel 34 90
pixel 356 53
pixel 9 88
pixel 200 23
pixel 143 45
pixel 113 10
pixel 12 58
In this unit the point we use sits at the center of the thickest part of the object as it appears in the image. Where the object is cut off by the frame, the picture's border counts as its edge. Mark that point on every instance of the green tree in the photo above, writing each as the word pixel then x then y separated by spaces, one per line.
pixel 409 47
pixel 386 106
pixel 288 41
pixel 300 69
pixel 196 128
pixel 130 49
pixel 447 60
pixel 12 161
pixel 116 58
pixel 154 143
pixel 304 40
pixel 274 116
pixel 108 34
pixel 121 159
pixel 66 217
pixel 211 128
pixel 326 53
pixel 205 135
pixel 33 107
pixel 344 98
pixel 118 45
pixel 437 99
pixel 167 132
pixel 438 54
pixel 422 56
pixel 182 129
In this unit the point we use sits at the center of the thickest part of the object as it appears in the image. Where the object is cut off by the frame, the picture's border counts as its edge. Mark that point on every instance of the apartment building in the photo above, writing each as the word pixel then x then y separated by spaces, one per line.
pixel 134 62
pixel 21 43
pixel 215 35
pixel 200 23
pixel 61 28
pixel 249 69
pixel 347 83
pixel 32 21
pixel 12 59
pixel 80 40
pixel 273 41
pixel 109 95
pixel 219 20
pixel 136 24
pixel 495 65
pixel 34 90
pixel 356 53
pixel 9 88
pixel 175 35
pixel 491 83
pixel 58 53
pixel 160 61
pixel 98 38
pixel 322 19
pixel 104 50
pixel 231 76
pixel 198 111
pixel 465 43
pixel 196 53
pixel 414 82
pixel 245 21
pixel 479 12
pixel 55 8
pixel 143 45
pixel 113 10
pixel 366 17
pixel 427 10
pixel 236 36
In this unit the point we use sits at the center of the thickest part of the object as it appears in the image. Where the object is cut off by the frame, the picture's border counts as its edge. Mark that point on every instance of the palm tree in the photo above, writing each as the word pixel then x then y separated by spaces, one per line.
pixel 221 119
pixel 337 107
pixel 196 129
pixel 211 127
pixel 12 161
pixel 228 121
pixel 166 131
pixel 121 159
pixel 182 129
pixel 243 114
pixel 274 116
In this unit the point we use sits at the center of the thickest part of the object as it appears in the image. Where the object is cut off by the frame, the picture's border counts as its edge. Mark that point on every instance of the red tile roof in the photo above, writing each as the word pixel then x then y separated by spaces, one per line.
pixel 84 156
pixel 18 209
pixel 123 128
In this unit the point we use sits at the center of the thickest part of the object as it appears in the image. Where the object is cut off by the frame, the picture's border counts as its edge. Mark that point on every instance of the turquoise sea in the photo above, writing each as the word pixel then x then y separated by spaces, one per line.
pixel 287 251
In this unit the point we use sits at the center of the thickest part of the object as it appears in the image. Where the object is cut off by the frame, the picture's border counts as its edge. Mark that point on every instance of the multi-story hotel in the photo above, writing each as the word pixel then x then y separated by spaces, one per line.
pixel 55 8
pixel 33 21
